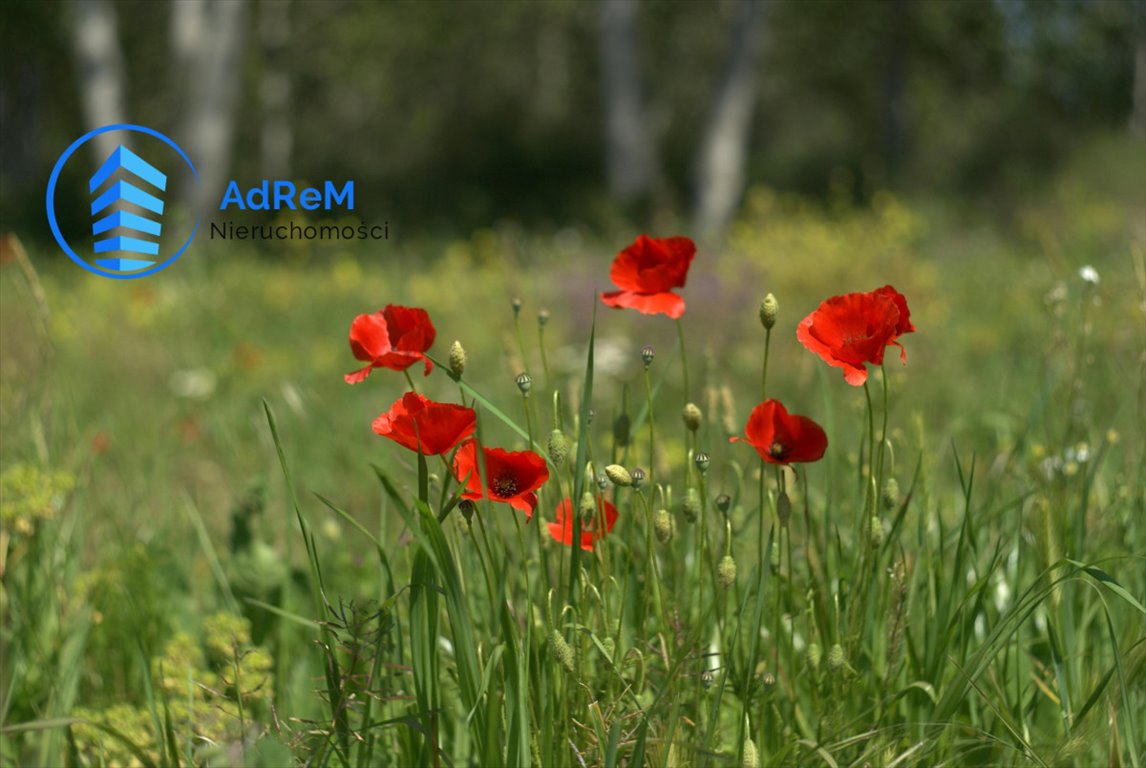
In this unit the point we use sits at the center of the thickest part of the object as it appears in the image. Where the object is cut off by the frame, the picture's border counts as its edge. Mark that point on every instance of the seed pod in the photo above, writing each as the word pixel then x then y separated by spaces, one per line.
pixel 890 493
pixel 647 354
pixel 457 359
pixel 701 460
pixel 707 679
pixel 638 476
pixel 561 650
pixel 663 526
pixel 619 475
pixel 836 659
pixel 516 306
pixel 602 481
pixel 524 383
pixel 692 416
pixel 691 505
pixel 466 507
pixel 558 447
pixel 726 571
pixel 542 317
pixel 724 503
pixel 769 308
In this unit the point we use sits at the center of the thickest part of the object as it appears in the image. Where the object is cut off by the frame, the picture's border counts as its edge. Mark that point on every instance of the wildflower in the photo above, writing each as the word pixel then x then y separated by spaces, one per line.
pixel 511 477
pixel 422 425
pixel 1089 274
pixel 854 329
pixel 394 337
pixel 781 438
pixel 561 529
pixel 647 271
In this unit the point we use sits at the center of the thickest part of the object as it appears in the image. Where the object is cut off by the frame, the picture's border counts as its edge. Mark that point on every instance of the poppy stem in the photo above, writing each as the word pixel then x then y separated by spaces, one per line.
pixel 544 357
pixel 764 372
pixel 652 434
pixel 410 380
pixel 683 358
pixel 883 435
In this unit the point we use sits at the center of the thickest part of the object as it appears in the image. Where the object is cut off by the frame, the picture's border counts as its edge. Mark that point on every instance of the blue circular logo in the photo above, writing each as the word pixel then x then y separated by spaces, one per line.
pixel 127 216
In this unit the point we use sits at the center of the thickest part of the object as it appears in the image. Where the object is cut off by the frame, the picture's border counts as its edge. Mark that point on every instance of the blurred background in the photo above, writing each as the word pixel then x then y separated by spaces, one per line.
pixel 977 155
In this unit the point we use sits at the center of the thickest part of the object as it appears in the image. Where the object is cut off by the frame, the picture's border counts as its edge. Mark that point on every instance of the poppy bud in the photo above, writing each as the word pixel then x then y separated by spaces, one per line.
pixel 783 508
pixel 466 507
pixel 558 447
pixel 813 656
pixel 588 507
pixel 726 571
pixel 769 681
pixel 621 426
pixel 524 383
pixel 663 526
pixel 724 503
pixel 610 647
pixel 619 475
pixel 638 476
pixel 457 359
pixel 836 659
pixel 542 317
pixel 769 308
pixel 647 354
pixel 516 306
pixel 691 505
pixel 775 558
pixel 750 759
pixel 877 534
pixel 602 480
pixel 707 679
pixel 890 493
pixel 561 650
pixel 701 460
pixel 692 416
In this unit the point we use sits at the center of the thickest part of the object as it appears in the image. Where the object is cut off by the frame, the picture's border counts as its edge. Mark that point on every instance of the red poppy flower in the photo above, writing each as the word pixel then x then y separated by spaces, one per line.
pixel 395 338
pixel 562 528
pixel 511 476
pixel 420 424
pixel 782 438
pixel 647 271
pixel 854 329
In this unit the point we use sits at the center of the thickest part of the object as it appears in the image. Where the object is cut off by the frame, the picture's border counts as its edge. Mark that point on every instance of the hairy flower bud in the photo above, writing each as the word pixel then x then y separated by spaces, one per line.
pixel 561 650
pixel 524 383
pixel 542 317
pixel 619 475
pixel 783 508
pixel 691 505
pixel 877 534
pixel 457 359
pixel 836 658
pixel 702 461
pixel 890 493
pixel 726 571
pixel 516 306
pixel 558 447
pixel 813 656
pixel 750 759
pixel 692 416
pixel 769 308
pixel 587 507
pixel 663 526
pixel 647 354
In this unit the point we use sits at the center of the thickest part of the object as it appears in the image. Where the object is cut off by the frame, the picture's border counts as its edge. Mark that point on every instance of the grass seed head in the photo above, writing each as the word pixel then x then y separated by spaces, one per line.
pixel 562 651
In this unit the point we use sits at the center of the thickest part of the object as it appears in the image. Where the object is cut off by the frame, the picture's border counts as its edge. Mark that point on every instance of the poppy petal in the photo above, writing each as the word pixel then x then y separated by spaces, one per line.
pixel 646 303
pixel 361 374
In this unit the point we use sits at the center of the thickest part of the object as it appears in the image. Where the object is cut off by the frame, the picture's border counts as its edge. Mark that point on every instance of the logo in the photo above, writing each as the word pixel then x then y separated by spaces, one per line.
pixel 126 235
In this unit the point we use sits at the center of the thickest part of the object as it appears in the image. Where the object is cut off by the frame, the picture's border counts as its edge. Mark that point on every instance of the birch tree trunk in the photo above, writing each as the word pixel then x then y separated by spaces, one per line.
pixel 629 154
pixel 206 38
pixel 723 149
pixel 99 63
pixel 276 140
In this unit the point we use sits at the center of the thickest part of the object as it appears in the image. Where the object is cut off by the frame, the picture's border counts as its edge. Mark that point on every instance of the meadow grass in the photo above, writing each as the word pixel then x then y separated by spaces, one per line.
pixel 208 558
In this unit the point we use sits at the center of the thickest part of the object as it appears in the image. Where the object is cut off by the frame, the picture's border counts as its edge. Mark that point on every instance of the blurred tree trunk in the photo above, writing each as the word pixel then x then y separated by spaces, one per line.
pixel 276 138
pixel 629 154
pixel 99 62
pixel 1137 123
pixel 724 145
pixel 206 38
pixel 894 128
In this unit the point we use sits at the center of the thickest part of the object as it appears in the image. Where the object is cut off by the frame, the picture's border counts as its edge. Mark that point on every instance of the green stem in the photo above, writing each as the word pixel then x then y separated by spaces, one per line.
pixel 652 430
pixel 683 358
pixel 544 357
pixel 764 372
pixel 410 380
